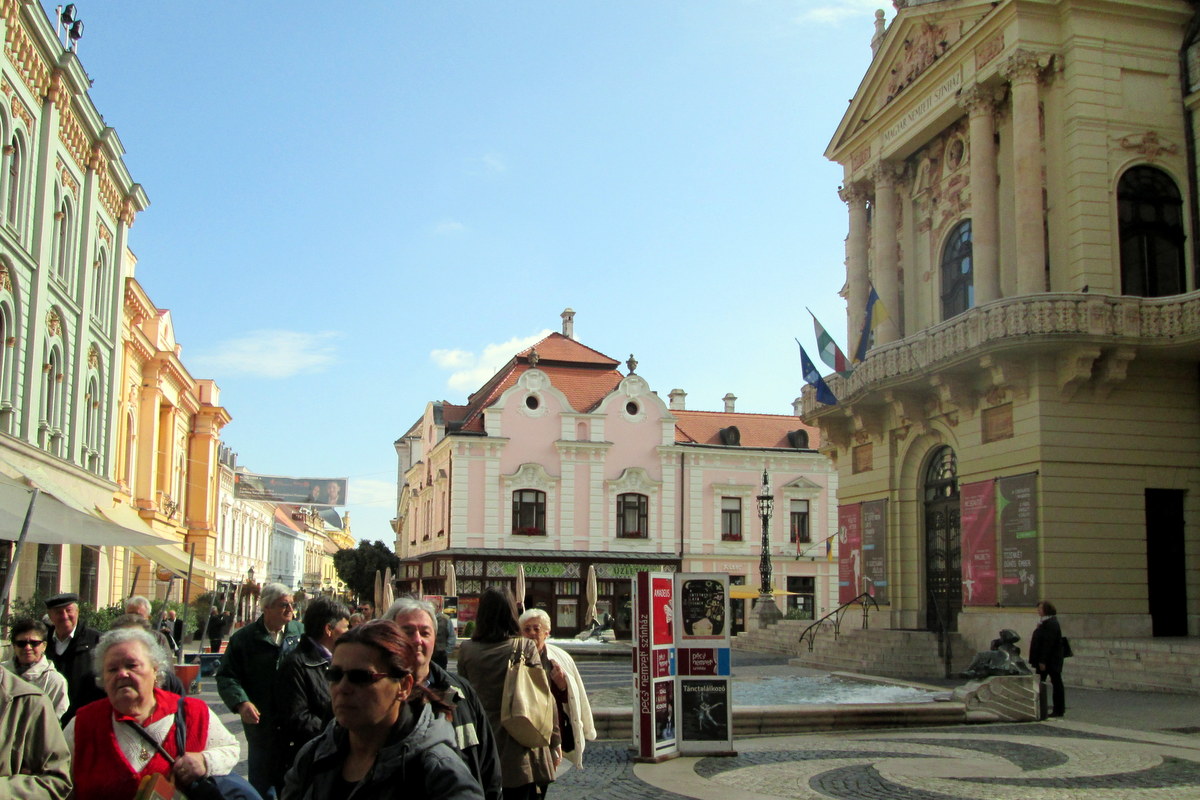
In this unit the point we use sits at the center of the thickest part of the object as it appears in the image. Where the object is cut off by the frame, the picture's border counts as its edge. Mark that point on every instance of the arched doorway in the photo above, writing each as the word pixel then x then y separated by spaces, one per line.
pixel 943 542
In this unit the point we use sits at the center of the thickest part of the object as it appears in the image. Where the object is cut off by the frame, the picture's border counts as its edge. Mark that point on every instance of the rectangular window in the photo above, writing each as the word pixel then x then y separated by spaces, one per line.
pixel 89 570
pixel 633 516
pixel 48 559
pixel 529 512
pixel 731 519
pixel 799 522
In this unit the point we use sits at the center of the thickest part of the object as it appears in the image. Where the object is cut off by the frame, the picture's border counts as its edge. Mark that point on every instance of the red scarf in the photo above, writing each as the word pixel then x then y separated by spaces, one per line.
pixel 101 770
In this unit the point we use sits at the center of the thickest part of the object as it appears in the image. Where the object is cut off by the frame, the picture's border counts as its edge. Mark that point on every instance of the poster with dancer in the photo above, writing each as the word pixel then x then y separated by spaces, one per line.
pixel 704 710
pixel 850 566
pixel 977 504
pixel 874 549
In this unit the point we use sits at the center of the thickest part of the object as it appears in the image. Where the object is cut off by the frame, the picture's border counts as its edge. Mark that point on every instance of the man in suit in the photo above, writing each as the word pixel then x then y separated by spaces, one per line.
pixel 70 650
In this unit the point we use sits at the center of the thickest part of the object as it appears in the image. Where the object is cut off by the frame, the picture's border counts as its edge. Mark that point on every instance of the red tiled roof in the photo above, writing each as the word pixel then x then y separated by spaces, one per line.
pixel 284 514
pixel 757 430
pixel 584 375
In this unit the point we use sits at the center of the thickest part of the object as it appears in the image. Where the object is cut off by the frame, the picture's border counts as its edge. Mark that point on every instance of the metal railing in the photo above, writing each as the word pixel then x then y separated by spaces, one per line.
pixel 836 615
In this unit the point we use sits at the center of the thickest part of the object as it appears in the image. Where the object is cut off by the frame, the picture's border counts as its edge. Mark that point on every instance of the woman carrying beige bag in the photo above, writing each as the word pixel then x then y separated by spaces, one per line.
pixel 484 662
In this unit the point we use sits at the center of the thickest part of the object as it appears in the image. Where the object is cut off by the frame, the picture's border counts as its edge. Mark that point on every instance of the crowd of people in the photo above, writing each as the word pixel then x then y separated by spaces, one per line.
pixel 330 706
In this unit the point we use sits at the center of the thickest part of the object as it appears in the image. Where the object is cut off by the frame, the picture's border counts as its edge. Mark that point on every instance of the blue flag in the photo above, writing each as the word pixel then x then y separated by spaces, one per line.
pixel 813 378
pixel 876 313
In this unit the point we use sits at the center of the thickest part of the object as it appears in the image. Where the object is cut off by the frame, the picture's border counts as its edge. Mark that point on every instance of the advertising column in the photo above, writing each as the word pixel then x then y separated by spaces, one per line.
pixel 654 734
pixel 705 707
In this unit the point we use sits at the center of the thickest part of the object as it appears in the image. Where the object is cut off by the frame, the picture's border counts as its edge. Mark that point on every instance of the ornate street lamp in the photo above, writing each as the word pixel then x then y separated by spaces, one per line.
pixel 768 612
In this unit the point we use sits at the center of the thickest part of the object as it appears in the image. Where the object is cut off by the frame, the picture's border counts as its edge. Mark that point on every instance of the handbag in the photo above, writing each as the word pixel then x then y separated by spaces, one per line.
pixel 210 787
pixel 1067 652
pixel 526 707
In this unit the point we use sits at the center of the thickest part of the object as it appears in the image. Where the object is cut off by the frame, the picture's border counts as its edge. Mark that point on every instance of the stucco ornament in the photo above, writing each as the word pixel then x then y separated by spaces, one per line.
pixel 531 476
pixel 534 380
pixel 634 480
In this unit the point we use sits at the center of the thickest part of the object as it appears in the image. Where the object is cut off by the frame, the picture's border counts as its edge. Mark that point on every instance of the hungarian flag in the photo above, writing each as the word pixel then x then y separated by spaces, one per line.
pixel 814 379
pixel 875 314
pixel 830 353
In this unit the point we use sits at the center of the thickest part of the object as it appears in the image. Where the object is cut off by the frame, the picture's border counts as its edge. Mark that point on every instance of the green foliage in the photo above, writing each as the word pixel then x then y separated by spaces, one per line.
pixel 798 613
pixel 357 567
pixel 89 615
pixel 467 630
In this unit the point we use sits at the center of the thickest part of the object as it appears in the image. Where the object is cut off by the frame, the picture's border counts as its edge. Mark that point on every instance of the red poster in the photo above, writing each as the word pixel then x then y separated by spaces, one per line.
pixel 850 566
pixel 662 605
pixel 977 504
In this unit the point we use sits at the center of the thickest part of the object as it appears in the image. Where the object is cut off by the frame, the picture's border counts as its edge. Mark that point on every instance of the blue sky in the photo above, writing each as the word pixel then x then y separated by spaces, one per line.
pixel 358 208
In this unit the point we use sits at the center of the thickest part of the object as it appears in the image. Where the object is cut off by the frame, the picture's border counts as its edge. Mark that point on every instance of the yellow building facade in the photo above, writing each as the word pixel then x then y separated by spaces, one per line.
pixel 168 432
pixel 1021 187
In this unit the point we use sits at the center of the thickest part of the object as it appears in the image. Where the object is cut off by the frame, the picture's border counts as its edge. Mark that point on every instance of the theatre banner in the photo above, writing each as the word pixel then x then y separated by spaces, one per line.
pixel 1019 564
pixel 297 491
pixel 977 520
pixel 874 549
pixel 850 567
pixel 682 665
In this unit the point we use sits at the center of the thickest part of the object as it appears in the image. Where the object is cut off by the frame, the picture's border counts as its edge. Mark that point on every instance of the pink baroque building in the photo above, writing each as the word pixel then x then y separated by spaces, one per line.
pixel 561 463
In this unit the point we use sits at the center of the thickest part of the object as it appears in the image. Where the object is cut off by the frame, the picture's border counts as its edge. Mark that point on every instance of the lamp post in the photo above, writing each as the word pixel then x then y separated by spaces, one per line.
pixel 768 612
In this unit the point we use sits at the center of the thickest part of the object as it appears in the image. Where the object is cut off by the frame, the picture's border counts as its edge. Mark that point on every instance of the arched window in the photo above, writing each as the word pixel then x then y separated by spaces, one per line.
pixel 1150 219
pixel 62 242
pixel 633 515
pixel 91 425
pixel 529 512
pixel 958 281
pixel 16 165
pixel 100 289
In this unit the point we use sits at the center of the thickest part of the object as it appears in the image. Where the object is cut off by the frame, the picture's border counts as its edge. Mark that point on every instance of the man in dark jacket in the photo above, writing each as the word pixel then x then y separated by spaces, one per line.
pixel 246 675
pixel 417 620
pixel 70 650
pixel 302 702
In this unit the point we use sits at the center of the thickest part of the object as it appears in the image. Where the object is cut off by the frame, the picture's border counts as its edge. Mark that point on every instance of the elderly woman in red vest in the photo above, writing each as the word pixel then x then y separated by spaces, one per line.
pixel 110 756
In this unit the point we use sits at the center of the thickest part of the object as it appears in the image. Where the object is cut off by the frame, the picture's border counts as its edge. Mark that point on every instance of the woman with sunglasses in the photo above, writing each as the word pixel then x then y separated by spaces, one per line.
pixel 29 637
pixel 380 745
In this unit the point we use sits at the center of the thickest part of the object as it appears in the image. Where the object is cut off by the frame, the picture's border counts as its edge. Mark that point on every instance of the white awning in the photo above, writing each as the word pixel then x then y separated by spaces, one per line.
pixel 169 554
pixel 55 521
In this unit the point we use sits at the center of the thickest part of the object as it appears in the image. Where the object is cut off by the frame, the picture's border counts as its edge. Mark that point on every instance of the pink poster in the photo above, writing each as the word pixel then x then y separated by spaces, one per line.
pixel 850 566
pixel 977 506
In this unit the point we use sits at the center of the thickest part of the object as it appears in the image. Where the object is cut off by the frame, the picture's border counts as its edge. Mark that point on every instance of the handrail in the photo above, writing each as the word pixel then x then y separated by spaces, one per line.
pixel 811 631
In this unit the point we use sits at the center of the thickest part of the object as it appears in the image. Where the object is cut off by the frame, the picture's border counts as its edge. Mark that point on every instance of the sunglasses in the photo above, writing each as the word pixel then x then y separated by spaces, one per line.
pixel 29 643
pixel 357 677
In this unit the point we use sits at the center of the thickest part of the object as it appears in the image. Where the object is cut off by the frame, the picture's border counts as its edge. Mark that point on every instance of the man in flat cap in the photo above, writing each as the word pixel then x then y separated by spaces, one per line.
pixel 70 650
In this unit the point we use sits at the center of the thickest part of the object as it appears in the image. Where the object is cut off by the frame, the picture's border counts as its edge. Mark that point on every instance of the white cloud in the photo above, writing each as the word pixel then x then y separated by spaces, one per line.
pixel 494 163
pixel 272 354
pixel 448 227
pixel 471 370
pixel 371 492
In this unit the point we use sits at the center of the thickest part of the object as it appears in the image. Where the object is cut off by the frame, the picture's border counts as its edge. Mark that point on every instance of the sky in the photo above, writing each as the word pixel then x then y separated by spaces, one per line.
pixel 358 208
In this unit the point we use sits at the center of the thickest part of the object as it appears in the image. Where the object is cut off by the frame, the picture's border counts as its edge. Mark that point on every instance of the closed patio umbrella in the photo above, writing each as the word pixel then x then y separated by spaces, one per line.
pixel 521 586
pixel 591 591
pixel 389 594
pixel 451 581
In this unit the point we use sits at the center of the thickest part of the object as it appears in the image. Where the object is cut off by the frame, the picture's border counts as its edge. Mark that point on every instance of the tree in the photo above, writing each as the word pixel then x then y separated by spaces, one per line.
pixel 357 568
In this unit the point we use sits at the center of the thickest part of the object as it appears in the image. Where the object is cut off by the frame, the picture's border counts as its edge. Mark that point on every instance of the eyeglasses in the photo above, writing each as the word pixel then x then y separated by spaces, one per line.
pixel 29 643
pixel 282 604
pixel 357 677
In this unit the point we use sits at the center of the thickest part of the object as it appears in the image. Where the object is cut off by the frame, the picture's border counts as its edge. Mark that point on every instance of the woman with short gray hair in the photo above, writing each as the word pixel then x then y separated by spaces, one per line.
pixel 115 741
pixel 566 684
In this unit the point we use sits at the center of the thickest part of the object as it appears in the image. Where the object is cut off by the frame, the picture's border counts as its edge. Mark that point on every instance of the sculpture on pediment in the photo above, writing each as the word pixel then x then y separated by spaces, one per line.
pixel 921 49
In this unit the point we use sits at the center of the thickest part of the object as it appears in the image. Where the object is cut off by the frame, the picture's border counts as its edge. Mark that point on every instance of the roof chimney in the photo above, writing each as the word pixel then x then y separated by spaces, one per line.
pixel 677 397
pixel 797 407
pixel 568 318
pixel 729 399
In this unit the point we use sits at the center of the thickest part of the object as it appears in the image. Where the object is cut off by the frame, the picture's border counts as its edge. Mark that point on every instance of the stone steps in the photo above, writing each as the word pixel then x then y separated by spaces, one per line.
pixel 1147 665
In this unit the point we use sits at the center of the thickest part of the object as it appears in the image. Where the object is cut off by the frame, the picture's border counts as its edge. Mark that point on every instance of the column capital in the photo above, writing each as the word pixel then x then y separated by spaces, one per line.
pixel 1025 65
pixel 887 173
pixel 853 194
pixel 978 99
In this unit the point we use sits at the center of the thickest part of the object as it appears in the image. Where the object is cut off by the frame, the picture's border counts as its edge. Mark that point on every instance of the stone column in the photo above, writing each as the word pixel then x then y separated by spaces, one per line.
pixel 887 268
pixel 856 260
pixel 980 103
pixel 1022 71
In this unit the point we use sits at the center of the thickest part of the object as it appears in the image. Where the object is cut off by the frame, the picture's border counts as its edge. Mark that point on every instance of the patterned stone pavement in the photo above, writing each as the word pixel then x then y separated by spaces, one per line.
pixel 1051 760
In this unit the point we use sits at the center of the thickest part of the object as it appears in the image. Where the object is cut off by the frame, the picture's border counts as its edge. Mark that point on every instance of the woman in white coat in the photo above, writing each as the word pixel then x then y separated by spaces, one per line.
pixel 574 710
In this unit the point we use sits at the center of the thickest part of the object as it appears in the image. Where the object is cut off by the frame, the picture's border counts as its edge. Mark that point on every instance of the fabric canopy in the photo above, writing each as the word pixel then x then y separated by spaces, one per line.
pixel 750 593
pixel 175 558
pixel 56 521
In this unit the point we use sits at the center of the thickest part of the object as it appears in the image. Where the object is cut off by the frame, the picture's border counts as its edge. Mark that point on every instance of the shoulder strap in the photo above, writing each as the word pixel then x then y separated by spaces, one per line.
pixel 180 728
pixel 142 732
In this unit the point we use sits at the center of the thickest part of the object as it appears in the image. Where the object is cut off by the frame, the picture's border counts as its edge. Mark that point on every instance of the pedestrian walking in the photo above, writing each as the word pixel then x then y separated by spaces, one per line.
pixel 1046 653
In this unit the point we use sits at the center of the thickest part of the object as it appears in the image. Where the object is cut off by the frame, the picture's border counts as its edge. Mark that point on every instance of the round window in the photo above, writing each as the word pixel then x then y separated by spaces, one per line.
pixel 631 408
pixel 531 402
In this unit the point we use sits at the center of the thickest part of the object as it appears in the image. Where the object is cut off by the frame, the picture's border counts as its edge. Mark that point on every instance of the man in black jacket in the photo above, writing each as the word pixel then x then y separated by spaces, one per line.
pixel 417 620
pixel 302 702
pixel 70 650
pixel 1046 654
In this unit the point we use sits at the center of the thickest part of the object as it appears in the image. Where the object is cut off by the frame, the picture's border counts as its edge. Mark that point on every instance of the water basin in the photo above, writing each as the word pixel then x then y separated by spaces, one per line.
pixel 823 689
